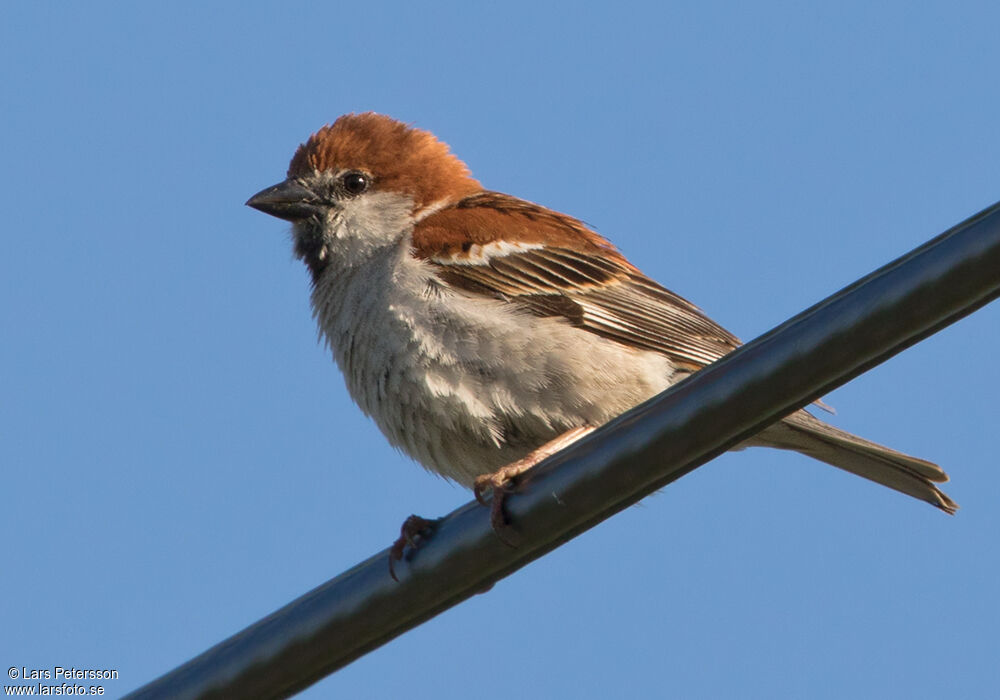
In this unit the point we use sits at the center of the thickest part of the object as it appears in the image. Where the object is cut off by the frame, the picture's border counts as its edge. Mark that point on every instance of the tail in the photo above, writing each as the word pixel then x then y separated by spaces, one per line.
pixel 810 436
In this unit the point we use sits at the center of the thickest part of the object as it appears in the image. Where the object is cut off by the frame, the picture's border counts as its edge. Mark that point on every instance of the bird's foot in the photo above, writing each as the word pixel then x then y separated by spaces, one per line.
pixel 499 484
pixel 414 532
pixel 504 480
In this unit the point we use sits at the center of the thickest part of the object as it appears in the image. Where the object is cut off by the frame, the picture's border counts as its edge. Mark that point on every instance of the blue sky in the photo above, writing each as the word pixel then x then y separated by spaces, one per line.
pixel 179 456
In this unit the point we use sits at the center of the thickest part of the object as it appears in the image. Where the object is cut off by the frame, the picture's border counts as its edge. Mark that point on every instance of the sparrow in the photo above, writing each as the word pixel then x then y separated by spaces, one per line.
pixel 483 332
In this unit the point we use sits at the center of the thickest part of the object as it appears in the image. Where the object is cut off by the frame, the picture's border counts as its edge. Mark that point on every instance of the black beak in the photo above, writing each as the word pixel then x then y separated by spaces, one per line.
pixel 288 200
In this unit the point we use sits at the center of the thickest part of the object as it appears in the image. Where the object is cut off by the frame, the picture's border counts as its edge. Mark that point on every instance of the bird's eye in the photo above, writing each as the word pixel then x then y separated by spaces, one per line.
pixel 355 182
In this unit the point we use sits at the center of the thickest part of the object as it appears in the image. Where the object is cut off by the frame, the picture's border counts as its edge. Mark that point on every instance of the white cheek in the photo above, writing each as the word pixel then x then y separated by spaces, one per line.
pixel 378 217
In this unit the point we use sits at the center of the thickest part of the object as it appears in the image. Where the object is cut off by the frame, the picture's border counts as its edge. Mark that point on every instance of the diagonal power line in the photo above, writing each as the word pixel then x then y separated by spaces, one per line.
pixel 636 454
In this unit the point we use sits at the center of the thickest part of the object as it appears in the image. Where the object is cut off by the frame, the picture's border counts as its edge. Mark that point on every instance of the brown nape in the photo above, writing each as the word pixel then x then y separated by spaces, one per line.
pixel 399 157
pixel 486 217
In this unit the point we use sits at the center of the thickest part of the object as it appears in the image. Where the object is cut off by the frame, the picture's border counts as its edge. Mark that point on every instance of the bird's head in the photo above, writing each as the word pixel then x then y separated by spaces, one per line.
pixel 360 184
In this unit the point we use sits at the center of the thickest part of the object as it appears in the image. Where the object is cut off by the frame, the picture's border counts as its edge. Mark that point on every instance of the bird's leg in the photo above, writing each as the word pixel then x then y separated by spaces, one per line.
pixel 501 482
pixel 414 531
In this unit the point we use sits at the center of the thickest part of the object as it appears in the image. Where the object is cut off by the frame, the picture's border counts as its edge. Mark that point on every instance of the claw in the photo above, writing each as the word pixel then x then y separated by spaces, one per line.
pixel 479 491
pixel 499 484
pixel 414 531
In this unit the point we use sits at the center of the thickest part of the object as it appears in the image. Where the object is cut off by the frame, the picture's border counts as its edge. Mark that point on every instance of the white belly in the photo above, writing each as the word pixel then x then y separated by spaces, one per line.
pixel 463 384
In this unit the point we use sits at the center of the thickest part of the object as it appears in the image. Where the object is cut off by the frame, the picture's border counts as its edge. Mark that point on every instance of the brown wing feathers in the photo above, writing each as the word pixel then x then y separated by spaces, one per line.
pixel 559 267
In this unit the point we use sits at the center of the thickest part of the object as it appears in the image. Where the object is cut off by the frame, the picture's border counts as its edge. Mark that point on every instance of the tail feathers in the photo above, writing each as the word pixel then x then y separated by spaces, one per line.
pixel 810 436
